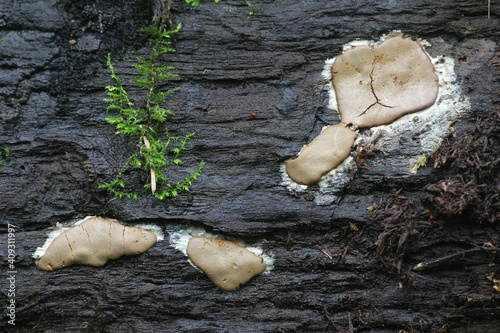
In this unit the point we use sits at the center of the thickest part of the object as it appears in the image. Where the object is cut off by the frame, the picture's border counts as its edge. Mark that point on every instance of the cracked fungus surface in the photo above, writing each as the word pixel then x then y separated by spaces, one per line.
pixel 227 264
pixel 425 128
pixel 376 84
pixel 93 242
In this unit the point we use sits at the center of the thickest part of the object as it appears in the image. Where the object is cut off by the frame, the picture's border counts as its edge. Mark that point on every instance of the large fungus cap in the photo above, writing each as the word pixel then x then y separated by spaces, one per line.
pixel 322 155
pixel 375 85
pixel 93 242
pixel 226 263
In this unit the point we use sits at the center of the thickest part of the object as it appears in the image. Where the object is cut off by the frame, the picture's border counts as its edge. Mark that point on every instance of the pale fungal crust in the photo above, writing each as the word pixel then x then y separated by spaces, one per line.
pixel 322 155
pixel 430 126
pixel 377 84
pixel 93 242
pixel 226 263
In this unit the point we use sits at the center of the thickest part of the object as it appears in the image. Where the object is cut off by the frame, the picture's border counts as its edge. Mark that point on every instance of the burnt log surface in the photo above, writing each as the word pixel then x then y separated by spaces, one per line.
pixel 326 275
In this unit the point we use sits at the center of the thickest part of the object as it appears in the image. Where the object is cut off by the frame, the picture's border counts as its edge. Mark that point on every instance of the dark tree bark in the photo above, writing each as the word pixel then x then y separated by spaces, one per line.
pixel 327 276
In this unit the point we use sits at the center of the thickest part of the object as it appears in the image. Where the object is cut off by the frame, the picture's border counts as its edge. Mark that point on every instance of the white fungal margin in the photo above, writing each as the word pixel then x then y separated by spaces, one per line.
pixel 155 229
pixel 180 236
pixel 327 75
pixel 288 182
pixel 59 228
pixel 430 126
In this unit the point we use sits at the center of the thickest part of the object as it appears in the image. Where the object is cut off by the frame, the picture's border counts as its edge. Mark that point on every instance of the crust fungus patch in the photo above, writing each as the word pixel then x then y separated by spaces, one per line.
pixel 226 263
pixel 425 129
pixel 376 84
pixel 93 242
pixel 322 155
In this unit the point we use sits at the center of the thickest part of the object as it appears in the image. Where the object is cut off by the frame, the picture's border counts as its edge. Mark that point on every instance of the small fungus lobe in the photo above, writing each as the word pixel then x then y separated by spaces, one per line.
pixel 226 263
pixel 93 242
pixel 322 155
pixel 377 84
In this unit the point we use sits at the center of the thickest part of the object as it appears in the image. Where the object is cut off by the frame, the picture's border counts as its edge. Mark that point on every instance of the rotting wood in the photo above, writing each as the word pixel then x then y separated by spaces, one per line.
pixel 451 258
pixel 230 67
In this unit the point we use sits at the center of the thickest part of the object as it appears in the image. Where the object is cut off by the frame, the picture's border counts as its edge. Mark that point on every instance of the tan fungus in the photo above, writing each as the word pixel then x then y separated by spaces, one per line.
pixel 375 85
pixel 322 155
pixel 226 263
pixel 93 242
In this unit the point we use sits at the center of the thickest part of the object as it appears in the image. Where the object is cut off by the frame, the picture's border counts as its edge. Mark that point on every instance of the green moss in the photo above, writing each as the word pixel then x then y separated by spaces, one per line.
pixel 197 2
pixel 4 154
pixel 422 161
pixel 147 124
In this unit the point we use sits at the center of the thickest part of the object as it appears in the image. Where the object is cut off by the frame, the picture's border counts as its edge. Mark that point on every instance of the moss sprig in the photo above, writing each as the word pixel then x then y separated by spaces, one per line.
pixel 148 123
pixel 4 153
pixel 197 2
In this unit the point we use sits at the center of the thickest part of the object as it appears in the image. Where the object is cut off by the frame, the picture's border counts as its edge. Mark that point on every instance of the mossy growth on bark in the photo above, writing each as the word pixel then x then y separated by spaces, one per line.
pixel 4 153
pixel 148 123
